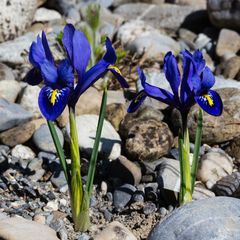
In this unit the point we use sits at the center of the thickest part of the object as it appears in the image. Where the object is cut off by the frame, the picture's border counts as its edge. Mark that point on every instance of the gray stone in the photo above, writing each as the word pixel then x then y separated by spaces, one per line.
pixel 200 192
pixel 18 47
pixel 46 15
pixel 18 228
pixel 43 140
pixel 221 82
pixel 12 114
pixel 35 167
pixel 224 14
pixel 6 72
pixel 208 219
pixel 15 17
pixel 22 152
pixel 9 89
pixel 110 142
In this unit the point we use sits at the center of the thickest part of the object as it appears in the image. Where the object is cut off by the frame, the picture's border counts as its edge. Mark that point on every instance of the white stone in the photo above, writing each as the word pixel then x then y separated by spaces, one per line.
pixel 29 100
pixel 110 143
pixel 46 15
pixel 221 82
pixel 51 206
pixel 22 152
pixel 9 89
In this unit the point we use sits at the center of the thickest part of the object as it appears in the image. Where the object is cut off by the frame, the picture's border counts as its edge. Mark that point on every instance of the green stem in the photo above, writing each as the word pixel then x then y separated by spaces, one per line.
pixel 196 149
pixel 60 152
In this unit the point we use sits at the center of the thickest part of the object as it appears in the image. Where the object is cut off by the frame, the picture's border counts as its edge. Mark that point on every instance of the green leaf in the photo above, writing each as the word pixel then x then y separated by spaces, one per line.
pixel 93 15
pixel 93 160
pixel 197 145
pixel 60 152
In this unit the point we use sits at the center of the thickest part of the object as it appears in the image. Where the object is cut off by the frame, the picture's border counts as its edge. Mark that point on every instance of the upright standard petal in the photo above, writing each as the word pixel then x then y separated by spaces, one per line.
pixel 171 72
pixel 37 53
pixel 81 52
pixel 207 79
pixel 46 48
pixel 49 73
pixel 110 56
pixel 65 74
pixel 199 62
pixel 210 102
pixel 137 101
pixel 53 101
pixel 33 77
pixel 67 40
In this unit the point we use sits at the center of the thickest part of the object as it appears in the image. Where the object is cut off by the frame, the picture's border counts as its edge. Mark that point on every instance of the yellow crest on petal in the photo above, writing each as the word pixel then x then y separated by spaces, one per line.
pixel 53 97
pixel 116 69
pixel 209 99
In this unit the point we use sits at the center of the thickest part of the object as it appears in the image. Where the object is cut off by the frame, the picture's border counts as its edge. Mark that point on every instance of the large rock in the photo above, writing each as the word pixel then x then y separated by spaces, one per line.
pixel 15 17
pixel 12 114
pixel 166 16
pixel 224 14
pixel 9 89
pixel 17 228
pixel 110 142
pixel 208 219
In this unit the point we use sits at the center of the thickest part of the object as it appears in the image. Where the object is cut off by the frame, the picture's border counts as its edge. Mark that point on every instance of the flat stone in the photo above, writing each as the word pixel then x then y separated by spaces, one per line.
pixel 225 48
pixel 115 230
pixel 29 100
pixel 43 140
pixel 125 170
pixel 13 25
pixel 214 165
pixel 18 47
pixel 9 89
pixel 110 142
pixel 214 218
pixel 6 72
pixel 46 15
pixel 12 114
pixel 18 135
pixel 18 228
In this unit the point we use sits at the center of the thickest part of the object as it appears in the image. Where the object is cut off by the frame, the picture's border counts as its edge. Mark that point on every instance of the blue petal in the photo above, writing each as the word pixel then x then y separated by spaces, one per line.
pixel 172 72
pixel 89 78
pixel 110 55
pixel 33 77
pixel 37 53
pixel 46 48
pixel 49 72
pixel 155 92
pixel 67 40
pixel 199 62
pixel 116 72
pixel 211 103
pixel 81 52
pixel 52 106
pixel 65 74
pixel 137 101
pixel 208 79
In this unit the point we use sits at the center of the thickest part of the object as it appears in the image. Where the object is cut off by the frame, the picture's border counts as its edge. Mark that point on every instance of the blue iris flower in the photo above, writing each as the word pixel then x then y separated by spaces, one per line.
pixel 195 86
pixel 59 90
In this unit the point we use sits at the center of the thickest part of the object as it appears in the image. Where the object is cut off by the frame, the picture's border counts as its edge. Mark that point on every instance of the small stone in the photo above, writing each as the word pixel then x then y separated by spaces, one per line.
pixel 163 211
pixel 39 219
pixel 225 48
pixel 51 206
pixel 232 68
pixel 107 215
pixel 46 15
pixel 58 179
pixel 110 143
pixel 115 230
pixel 6 73
pixel 12 114
pixel 35 166
pixel 83 236
pixel 18 228
pixel 22 152
pixel 29 100
pixel 200 192
pixel 214 165
pixel 125 170
pixel 9 90
pixel 149 208
pixel 43 140
pixel 123 195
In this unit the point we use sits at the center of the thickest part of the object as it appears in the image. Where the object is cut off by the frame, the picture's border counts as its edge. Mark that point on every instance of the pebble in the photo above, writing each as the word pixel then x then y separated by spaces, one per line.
pixel 6 73
pixel 214 165
pixel 219 214
pixel 39 218
pixel 46 15
pixel 51 206
pixel 149 208
pixel 43 140
pixel 200 192
pixel 115 230
pixel 123 195
pixel 110 143
pixel 125 170
pixel 18 228
pixel 12 114
pixel 22 152
pixel 9 90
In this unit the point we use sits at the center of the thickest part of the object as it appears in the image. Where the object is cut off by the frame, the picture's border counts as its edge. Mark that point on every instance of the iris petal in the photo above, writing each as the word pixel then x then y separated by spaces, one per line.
pixel 48 53
pixel 51 106
pixel 49 72
pixel 208 79
pixel 67 40
pixel 199 62
pixel 33 77
pixel 36 53
pixel 65 73
pixel 137 101
pixel 116 72
pixel 110 55
pixel 171 72
pixel 81 52
pixel 211 103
